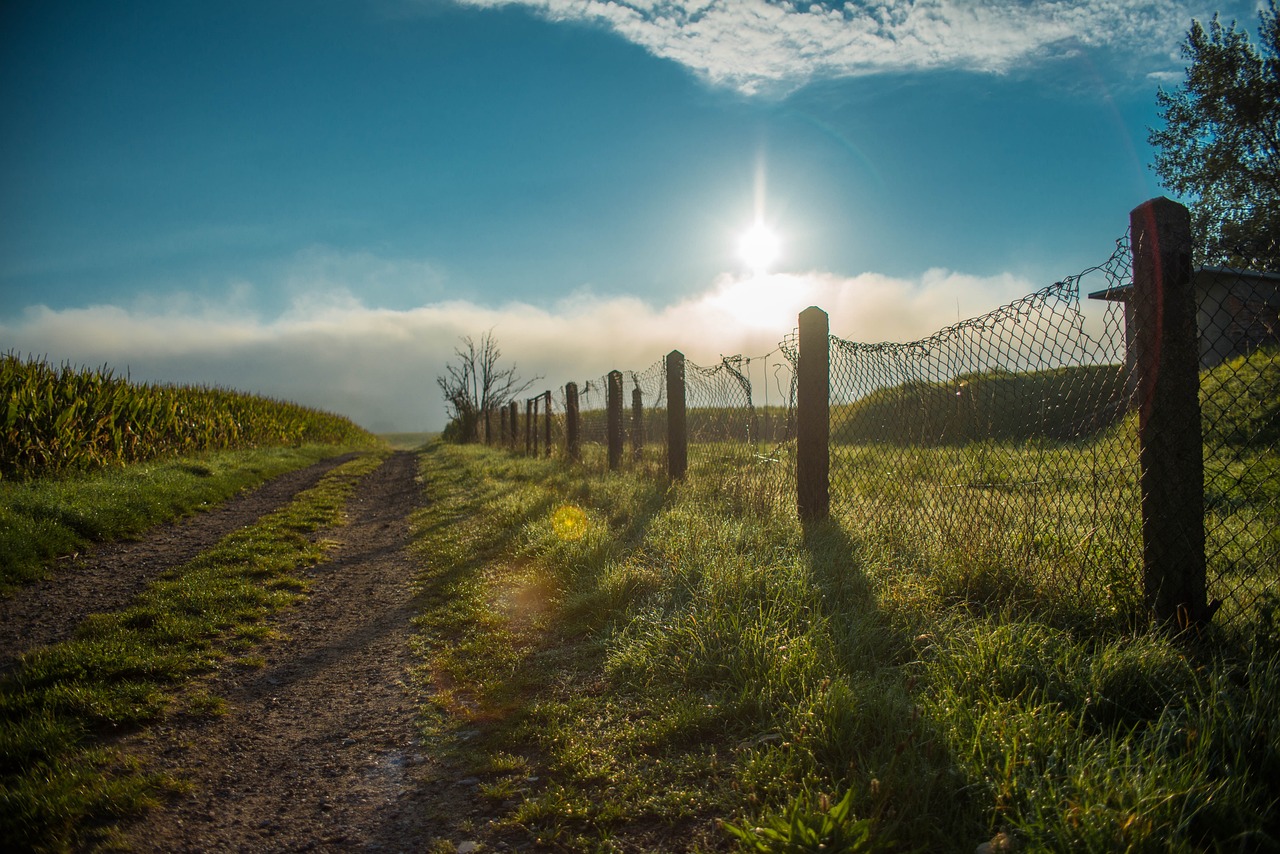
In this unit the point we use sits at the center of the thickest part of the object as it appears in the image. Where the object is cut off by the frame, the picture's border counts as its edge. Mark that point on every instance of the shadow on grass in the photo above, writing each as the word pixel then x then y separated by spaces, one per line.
pixel 870 733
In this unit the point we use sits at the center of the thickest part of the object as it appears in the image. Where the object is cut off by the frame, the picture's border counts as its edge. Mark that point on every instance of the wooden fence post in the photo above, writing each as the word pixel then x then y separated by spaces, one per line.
pixel 1170 446
pixel 637 422
pixel 488 432
pixel 528 427
pixel 677 432
pixel 613 401
pixel 502 425
pixel 546 422
pixel 515 424
pixel 813 416
pixel 571 421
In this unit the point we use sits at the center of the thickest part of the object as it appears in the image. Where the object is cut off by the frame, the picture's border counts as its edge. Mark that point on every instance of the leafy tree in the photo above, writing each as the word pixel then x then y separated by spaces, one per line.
pixel 476 383
pixel 1221 141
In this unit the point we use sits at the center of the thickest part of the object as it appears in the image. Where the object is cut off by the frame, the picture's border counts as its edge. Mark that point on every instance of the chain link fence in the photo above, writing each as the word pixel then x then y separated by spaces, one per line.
pixel 998 450
pixel 1003 454
pixel 1238 315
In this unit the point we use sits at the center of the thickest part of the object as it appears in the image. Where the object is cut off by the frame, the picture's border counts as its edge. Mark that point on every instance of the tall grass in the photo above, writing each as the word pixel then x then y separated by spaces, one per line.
pixel 688 662
pixel 67 419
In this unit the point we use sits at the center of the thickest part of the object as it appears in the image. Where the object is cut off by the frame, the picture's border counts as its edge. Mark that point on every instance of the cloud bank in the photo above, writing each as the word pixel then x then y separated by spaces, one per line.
pixel 332 351
pixel 763 45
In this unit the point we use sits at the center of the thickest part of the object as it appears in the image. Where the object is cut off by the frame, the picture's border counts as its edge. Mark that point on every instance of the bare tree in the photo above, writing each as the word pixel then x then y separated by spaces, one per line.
pixel 476 383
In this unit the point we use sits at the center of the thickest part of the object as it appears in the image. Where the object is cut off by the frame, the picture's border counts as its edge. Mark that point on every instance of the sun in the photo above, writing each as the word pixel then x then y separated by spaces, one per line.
pixel 759 247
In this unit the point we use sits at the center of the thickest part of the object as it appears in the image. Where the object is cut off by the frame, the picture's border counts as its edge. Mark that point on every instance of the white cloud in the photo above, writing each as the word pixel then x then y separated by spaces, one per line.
pixel 758 45
pixel 330 350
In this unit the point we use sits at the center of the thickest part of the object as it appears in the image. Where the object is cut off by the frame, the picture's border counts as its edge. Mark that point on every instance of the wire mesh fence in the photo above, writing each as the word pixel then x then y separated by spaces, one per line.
pixel 998 447
pixel 1238 314
pixel 1009 454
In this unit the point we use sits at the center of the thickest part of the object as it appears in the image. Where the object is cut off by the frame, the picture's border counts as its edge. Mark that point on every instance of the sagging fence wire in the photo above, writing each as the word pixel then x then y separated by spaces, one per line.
pixel 1002 452
pixel 1000 438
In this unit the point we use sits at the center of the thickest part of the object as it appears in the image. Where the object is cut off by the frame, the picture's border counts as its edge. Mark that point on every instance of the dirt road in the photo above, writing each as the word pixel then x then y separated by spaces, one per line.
pixel 318 749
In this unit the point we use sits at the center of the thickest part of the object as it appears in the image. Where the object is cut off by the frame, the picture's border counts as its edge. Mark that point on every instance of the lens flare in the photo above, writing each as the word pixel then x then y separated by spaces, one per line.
pixel 569 522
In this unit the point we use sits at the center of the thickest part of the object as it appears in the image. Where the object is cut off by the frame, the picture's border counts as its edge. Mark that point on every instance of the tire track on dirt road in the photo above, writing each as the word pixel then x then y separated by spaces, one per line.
pixel 319 748
pixel 109 576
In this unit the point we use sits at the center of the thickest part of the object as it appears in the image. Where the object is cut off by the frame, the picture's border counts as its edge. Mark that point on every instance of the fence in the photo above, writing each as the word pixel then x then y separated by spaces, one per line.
pixel 1117 455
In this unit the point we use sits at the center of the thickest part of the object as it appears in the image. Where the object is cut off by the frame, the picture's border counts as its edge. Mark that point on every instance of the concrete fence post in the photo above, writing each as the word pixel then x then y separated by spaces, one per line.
pixel 613 400
pixel 677 428
pixel 813 416
pixel 1166 356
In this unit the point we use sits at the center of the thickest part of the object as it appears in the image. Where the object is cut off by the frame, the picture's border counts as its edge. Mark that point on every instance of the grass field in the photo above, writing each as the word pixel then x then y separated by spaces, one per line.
pixel 659 660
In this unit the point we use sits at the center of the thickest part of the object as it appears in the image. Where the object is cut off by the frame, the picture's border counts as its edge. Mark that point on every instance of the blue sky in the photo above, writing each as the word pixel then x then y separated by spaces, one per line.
pixel 314 199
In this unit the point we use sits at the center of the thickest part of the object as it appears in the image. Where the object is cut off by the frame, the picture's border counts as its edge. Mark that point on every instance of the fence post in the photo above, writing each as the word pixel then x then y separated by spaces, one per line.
pixel 571 420
pixel 1170 447
pixel 528 427
pixel 546 422
pixel 488 432
pixel 677 431
pixel 637 422
pixel 515 424
pixel 613 400
pixel 813 417
pixel 502 424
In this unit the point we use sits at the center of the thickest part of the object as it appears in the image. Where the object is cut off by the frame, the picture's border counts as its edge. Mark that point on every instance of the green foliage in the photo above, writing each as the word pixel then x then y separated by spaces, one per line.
pixel 803 830
pixel 1220 145
pixel 1062 404
pixel 54 420
pixel 1240 401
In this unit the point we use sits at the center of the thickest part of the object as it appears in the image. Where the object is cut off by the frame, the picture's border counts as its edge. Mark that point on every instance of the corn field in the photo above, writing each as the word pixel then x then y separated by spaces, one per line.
pixel 55 420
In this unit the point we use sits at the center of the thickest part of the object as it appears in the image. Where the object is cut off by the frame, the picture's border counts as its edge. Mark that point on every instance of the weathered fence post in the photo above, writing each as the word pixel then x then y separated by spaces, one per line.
pixel 637 422
pixel 502 424
pixel 613 401
pixel 546 422
pixel 528 427
pixel 488 432
pixel 537 407
pixel 571 420
pixel 1166 352
pixel 813 416
pixel 677 432
pixel 515 423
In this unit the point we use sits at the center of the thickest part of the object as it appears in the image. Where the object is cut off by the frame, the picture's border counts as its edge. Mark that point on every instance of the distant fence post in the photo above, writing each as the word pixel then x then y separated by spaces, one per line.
pixel 528 427
pixel 514 422
pixel 613 400
pixel 488 431
pixel 637 422
pixel 1170 445
pixel 571 421
pixel 813 416
pixel 502 425
pixel 677 433
pixel 537 410
pixel 546 422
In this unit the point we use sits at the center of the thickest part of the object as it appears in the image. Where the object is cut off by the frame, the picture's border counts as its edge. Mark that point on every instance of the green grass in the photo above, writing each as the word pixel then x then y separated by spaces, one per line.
pixel 49 517
pixel 695 657
pixel 61 783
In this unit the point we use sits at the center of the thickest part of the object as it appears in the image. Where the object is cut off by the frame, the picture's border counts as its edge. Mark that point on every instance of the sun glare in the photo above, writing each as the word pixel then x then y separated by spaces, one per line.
pixel 759 247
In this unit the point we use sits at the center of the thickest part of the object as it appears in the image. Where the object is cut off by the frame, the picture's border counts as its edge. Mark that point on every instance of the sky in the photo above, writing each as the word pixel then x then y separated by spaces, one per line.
pixel 314 199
